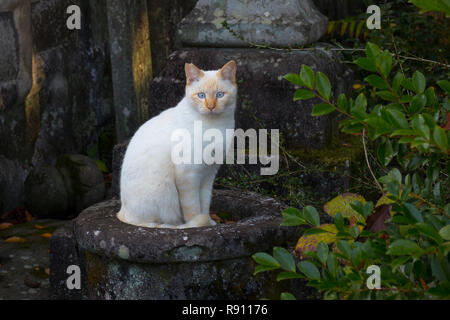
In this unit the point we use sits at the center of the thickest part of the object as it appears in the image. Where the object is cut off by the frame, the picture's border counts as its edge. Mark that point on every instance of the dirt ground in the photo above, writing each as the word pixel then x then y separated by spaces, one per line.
pixel 24 260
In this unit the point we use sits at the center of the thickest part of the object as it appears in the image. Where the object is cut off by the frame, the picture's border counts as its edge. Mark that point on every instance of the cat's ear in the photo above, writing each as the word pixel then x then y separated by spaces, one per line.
pixel 192 73
pixel 228 72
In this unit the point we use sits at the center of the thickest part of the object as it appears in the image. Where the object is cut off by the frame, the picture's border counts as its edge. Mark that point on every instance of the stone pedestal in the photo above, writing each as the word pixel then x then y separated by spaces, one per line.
pixel 121 261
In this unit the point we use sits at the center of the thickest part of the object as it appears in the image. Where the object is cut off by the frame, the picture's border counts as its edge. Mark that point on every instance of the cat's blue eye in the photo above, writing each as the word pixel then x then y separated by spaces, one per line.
pixel 201 95
pixel 220 94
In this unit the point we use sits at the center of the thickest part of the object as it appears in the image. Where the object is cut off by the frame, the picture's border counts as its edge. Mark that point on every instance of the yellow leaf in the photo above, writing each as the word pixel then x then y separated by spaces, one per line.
pixel 37 226
pixel 342 204
pixel 46 235
pixel 384 200
pixel 4 226
pixel 15 240
pixel 28 216
pixel 310 242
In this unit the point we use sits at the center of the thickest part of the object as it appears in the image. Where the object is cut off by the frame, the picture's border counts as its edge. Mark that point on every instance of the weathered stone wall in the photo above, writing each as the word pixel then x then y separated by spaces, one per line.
pixel 68 108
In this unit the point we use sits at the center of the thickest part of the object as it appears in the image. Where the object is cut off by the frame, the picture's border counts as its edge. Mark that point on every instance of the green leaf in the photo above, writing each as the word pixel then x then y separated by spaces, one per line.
pixel 323 85
pixel 354 231
pixel 322 252
pixel 394 188
pixel 289 275
pixel 397 81
pixel 287 296
pixel 322 109
pixel 377 82
pixel 445 232
pixel 345 248
pixel 261 268
pixel 407 84
pixel 431 96
pixel 311 215
pixel 419 82
pixel 385 152
pixel 412 212
pixel 309 270
pixel 284 258
pixel 307 76
pixel 366 64
pixel 385 63
pixel 403 132
pixel 292 217
pixel 444 85
pixel 332 263
pixel 429 232
pixel 265 259
pixel 372 50
pixel 386 95
pixel 404 247
pixel 303 94
pixel 418 103
pixel 433 5
pixel 342 102
pixel 293 78
pixel 357 256
pixel 437 269
pixel 440 137
pixel 442 290
pixel 420 126
pixel 398 119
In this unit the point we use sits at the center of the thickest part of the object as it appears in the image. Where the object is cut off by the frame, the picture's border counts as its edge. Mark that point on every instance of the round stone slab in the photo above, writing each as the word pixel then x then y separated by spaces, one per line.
pixel 98 231
pixel 279 23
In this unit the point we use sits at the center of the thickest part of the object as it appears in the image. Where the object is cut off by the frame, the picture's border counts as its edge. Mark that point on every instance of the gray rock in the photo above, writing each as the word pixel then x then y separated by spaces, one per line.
pixel 59 192
pixel 274 22
pixel 83 179
pixel 46 195
pixel 263 93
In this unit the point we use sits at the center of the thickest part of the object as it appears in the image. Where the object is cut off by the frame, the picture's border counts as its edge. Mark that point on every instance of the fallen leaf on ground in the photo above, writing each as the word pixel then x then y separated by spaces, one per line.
pixel 6 225
pixel 28 216
pixel 46 235
pixel 15 240
pixel 38 226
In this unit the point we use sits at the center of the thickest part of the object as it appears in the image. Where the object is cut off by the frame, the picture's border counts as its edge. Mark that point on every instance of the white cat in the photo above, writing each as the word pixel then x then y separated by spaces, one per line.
pixel 154 191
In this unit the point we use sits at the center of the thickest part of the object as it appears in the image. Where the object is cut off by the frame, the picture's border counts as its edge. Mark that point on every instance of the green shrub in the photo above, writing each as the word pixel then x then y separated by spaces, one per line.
pixel 407 233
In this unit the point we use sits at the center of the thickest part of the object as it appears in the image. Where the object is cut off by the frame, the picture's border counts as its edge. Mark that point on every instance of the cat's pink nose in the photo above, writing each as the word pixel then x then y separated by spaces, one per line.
pixel 211 107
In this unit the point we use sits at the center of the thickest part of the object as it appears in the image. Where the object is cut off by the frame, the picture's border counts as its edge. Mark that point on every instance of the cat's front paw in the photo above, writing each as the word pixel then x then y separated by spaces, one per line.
pixel 198 221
